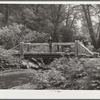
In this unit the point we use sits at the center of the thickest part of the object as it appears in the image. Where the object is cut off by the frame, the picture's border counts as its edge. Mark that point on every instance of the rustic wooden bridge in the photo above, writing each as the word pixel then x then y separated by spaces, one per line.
pixel 53 50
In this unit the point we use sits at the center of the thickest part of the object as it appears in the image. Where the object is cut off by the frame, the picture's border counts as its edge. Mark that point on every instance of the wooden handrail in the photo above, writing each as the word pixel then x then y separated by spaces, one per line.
pixel 81 49
pixel 36 44
pixel 67 43
pixel 86 49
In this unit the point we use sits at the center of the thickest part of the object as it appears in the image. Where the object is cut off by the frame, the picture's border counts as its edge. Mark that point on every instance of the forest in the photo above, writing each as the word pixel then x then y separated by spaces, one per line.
pixel 36 23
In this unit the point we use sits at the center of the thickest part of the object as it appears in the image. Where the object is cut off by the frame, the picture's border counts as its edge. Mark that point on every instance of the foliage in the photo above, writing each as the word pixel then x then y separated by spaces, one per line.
pixel 11 35
pixel 33 37
pixel 91 20
pixel 52 18
pixel 40 18
pixel 71 74
pixel 64 73
pixel 7 60
pixel 67 36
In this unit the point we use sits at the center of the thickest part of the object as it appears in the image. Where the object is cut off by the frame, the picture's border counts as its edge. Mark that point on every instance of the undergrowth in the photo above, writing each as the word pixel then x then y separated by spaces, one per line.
pixel 70 74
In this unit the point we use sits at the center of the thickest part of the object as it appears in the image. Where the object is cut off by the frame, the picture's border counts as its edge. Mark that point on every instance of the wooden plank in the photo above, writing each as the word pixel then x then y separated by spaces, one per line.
pixel 67 43
pixel 45 55
pixel 49 55
pixel 37 44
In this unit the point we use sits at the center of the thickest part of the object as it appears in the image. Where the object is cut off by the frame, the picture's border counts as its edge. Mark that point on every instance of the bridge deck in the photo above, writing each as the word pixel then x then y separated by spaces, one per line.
pixel 45 55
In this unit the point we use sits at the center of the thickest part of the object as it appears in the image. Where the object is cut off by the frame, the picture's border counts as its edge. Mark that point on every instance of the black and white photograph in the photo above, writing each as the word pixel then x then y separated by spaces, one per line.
pixel 50 46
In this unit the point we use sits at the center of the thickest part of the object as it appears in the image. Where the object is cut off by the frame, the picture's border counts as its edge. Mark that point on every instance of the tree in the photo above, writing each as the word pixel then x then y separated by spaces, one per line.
pixel 86 9
pixel 53 15
pixel 11 13
pixel 56 17
pixel 42 18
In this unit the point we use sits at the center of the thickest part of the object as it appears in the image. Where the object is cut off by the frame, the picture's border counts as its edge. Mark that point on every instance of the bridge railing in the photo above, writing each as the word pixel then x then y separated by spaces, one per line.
pixel 29 47
pixel 43 47
pixel 79 48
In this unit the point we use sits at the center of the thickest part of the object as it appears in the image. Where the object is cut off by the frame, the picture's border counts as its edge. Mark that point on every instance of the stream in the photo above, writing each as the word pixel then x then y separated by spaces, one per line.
pixel 11 79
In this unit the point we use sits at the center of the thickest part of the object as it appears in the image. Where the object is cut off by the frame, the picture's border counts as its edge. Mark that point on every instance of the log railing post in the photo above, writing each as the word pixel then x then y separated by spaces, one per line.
pixel 21 50
pixel 76 48
pixel 60 48
pixel 50 44
pixel 28 47
pixel 50 47
pixel 60 40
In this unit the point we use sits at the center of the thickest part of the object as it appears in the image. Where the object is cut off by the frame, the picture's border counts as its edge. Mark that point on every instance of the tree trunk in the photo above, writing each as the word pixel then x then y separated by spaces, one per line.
pixel 6 15
pixel 55 36
pixel 98 41
pixel 89 23
pixel 56 23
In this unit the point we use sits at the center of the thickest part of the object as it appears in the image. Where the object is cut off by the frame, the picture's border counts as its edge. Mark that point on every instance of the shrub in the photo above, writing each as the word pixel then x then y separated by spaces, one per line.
pixel 67 36
pixel 75 73
pixel 51 79
pixel 11 35
pixel 34 36
pixel 7 60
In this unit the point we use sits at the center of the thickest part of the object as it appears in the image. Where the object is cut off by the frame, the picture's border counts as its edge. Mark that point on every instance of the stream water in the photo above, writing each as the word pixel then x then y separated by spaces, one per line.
pixel 14 79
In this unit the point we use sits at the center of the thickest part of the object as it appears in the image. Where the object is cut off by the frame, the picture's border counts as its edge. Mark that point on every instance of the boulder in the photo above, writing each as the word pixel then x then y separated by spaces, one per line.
pixel 31 63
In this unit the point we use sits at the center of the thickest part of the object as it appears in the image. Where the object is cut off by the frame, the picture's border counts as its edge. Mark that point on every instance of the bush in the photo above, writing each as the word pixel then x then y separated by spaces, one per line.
pixel 11 35
pixel 70 74
pixel 34 36
pixel 67 36
pixel 51 79
pixel 7 60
